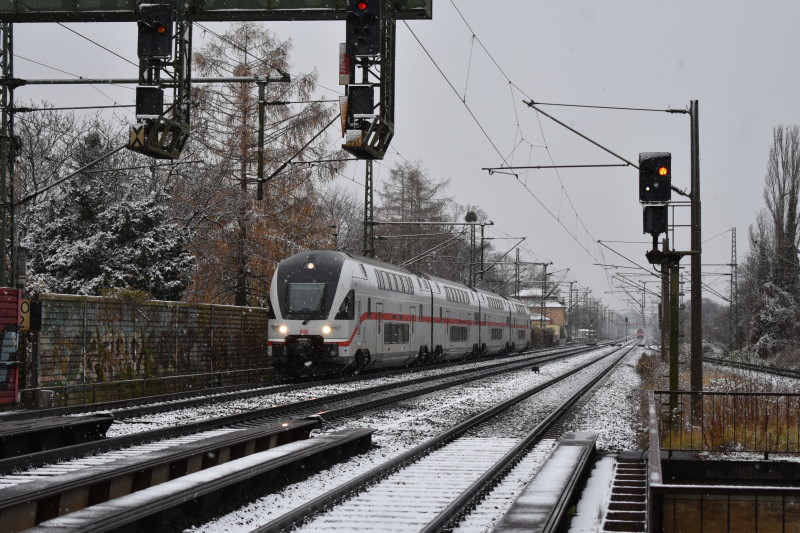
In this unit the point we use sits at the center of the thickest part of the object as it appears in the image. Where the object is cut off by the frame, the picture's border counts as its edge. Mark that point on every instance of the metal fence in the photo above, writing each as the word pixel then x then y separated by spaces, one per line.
pixel 688 495
pixel 765 423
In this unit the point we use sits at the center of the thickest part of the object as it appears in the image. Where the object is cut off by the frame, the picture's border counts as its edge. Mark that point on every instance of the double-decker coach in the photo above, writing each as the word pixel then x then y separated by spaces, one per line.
pixel 334 309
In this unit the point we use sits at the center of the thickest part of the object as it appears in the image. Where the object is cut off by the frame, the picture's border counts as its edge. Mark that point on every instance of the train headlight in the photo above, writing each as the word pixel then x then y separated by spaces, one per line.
pixel 327 329
pixel 283 329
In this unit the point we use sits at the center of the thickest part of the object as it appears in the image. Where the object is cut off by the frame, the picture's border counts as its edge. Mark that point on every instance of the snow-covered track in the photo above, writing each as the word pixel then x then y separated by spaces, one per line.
pixel 341 404
pixel 141 406
pixel 775 370
pixel 20 437
pixel 149 509
pixel 479 475
pixel 27 504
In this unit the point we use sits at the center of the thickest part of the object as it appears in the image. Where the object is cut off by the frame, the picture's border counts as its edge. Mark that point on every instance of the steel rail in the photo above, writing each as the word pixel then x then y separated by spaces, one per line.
pixel 450 514
pixel 140 406
pixel 778 371
pixel 296 516
pixel 297 409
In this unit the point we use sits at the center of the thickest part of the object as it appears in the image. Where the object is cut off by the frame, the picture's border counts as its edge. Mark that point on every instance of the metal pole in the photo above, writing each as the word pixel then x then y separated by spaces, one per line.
pixel 482 226
pixel 697 296
pixel 261 103
pixel 369 215
pixel 6 174
pixel 733 320
pixel 665 303
pixel 674 331
pixel 472 256
pixel 516 276
pixel 569 314
pixel 541 314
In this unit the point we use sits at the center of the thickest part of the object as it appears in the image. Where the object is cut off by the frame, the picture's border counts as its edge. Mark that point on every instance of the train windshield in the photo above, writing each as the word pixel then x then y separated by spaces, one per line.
pixel 306 297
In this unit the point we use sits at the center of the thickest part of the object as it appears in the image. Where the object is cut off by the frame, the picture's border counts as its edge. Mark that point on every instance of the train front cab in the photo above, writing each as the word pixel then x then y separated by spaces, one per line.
pixel 311 312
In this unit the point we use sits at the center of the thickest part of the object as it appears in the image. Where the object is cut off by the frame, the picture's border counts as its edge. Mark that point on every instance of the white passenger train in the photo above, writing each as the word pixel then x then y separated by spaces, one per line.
pixel 334 309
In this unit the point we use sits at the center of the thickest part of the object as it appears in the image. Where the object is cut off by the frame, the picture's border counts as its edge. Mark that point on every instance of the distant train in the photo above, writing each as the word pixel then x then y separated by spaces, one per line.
pixel 337 310
pixel 640 333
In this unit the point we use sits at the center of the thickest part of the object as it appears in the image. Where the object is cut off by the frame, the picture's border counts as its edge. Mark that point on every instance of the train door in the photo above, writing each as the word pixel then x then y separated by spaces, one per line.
pixel 360 323
pixel 412 338
pixel 379 348
pixel 446 336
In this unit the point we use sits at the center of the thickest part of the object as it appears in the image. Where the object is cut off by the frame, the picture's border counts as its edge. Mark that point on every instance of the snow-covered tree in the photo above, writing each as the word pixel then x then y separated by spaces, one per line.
pixel 106 230
pixel 770 283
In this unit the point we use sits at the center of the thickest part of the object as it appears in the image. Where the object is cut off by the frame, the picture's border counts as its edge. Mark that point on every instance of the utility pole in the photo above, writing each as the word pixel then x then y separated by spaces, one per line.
pixel 7 226
pixel 696 265
pixel 665 299
pixel 544 287
pixel 369 213
pixel 733 313
pixel 569 314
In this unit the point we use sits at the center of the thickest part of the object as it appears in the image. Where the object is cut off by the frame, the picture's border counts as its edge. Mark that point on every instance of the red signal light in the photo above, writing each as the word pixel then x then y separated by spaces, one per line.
pixel 161 29
pixel 663 171
pixel 362 6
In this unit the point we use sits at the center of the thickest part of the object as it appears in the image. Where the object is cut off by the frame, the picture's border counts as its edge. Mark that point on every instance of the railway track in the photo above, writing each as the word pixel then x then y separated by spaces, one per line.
pixel 142 406
pixel 777 371
pixel 347 402
pixel 337 412
pixel 454 466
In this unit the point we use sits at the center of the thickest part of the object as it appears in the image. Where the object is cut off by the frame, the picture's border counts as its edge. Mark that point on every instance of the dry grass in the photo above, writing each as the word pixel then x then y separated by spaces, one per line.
pixel 732 422
pixel 735 422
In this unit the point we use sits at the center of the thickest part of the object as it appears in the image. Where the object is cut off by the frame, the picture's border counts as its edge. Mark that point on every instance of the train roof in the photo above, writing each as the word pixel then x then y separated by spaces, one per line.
pixel 377 262
pixel 384 264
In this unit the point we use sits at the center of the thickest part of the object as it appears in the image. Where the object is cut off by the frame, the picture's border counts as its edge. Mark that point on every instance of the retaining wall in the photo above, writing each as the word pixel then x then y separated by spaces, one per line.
pixel 85 341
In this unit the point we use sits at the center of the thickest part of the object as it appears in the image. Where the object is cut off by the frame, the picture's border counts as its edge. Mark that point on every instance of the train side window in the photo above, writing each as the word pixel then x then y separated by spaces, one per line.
pixel 363 270
pixel 413 312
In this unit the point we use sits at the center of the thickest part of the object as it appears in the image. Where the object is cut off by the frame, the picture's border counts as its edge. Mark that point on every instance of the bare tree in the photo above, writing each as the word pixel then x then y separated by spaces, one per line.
pixel 239 240
pixel 409 195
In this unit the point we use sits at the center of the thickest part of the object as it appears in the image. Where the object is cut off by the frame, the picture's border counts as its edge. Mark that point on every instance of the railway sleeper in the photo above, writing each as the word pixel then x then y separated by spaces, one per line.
pixel 193 495
pixel 21 437
pixel 28 504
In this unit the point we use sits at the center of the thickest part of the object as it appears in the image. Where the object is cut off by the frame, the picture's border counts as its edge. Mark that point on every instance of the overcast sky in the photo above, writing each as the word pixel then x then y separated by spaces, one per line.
pixel 739 59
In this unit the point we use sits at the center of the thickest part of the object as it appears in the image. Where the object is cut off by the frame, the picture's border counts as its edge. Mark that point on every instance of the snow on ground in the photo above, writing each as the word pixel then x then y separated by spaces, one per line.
pixel 728 379
pixel 594 498
pixel 398 430
pixel 126 426
pixel 613 411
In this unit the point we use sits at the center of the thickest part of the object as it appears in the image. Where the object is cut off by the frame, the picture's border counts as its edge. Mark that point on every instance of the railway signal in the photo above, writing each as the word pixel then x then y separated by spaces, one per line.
pixel 363 29
pixel 655 219
pixel 655 177
pixel 155 30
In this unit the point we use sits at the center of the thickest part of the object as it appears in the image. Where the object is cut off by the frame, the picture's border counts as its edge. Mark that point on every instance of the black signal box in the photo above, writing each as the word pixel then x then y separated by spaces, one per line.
pixel 655 219
pixel 655 177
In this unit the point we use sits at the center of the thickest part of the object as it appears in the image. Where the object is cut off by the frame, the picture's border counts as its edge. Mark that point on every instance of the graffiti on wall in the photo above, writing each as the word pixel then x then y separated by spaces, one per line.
pixel 93 339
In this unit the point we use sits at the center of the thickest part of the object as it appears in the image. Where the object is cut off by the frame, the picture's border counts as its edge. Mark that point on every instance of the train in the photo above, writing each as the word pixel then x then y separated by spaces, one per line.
pixel 335 310
pixel 640 333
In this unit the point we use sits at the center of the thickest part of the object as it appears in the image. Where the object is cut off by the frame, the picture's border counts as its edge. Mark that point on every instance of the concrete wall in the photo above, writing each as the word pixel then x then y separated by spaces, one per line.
pixel 87 340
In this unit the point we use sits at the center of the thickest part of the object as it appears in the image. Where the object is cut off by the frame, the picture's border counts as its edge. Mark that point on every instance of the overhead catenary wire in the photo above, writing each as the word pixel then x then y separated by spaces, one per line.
pixel 494 146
